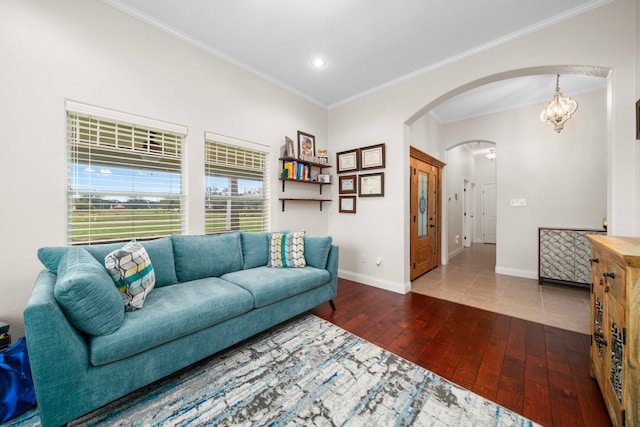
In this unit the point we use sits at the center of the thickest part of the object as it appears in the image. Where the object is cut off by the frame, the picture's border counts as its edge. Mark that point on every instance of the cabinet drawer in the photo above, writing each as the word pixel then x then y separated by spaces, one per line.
pixel 615 281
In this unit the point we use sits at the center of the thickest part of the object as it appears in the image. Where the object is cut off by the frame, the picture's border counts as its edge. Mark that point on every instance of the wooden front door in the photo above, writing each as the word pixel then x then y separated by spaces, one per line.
pixel 426 183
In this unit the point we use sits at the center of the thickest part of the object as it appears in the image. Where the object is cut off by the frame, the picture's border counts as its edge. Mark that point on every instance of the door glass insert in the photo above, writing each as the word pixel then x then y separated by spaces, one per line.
pixel 423 186
pixel 434 208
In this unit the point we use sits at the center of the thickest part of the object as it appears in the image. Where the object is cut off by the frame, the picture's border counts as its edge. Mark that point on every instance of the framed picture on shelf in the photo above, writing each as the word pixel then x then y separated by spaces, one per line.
pixel 289 151
pixel 306 146
pixel 347 161
pixel 371 185
pixel 372 157
pixel 348 184
pixel 347 204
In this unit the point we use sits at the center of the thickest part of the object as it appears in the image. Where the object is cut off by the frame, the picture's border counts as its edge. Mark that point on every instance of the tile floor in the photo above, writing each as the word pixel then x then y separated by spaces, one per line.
pixel 470 279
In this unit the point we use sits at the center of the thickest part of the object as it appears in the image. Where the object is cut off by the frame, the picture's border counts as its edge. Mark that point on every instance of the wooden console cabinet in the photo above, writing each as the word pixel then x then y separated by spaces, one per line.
pixel 615 325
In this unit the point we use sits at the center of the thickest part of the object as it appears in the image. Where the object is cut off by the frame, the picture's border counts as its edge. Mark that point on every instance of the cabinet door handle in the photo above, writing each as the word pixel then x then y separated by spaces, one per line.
pixel 594 260
pixel 611 275
pixel 600 339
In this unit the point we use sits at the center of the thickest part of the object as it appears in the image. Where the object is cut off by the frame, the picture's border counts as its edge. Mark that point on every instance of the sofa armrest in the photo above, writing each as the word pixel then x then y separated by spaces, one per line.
pixel 58 352
pixel 332 267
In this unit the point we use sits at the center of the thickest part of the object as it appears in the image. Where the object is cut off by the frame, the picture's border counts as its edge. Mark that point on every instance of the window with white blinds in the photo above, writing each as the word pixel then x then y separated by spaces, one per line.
pixel 125 181
pixel 236 188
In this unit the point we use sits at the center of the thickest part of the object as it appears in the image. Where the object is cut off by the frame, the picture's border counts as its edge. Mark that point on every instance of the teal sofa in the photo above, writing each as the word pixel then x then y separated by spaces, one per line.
pixel 211 291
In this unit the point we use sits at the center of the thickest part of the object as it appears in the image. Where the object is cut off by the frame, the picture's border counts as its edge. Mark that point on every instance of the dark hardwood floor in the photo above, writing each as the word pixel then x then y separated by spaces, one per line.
pixel 539 371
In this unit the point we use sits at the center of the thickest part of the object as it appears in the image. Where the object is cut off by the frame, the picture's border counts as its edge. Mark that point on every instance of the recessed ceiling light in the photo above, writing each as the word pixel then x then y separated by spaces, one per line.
pixel 318 62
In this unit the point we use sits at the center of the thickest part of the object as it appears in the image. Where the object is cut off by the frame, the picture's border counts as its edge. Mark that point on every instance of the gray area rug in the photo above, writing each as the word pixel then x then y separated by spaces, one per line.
pixel 305 372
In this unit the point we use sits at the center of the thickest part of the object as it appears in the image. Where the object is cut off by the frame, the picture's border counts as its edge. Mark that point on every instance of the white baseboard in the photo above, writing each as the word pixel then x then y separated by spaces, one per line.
pixel 456 252
pixel 400 288
pixel 518 273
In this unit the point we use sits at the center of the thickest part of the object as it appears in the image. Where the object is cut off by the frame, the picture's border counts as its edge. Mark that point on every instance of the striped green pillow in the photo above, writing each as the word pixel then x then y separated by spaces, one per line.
pixel 287 250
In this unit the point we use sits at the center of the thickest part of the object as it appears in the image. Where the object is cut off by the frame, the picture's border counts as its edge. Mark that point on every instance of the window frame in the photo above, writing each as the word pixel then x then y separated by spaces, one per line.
pixel 159 222
pixel 232 224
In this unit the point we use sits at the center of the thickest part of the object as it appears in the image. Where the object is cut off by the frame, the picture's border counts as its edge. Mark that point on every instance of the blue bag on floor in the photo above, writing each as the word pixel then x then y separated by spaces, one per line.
pixel 16 385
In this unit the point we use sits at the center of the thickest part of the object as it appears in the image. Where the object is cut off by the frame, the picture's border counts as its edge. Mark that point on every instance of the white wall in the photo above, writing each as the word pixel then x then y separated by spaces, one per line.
pixel 424 135
pixel 89 52
pixel 603 37
pixel 562 176
pixel 460 166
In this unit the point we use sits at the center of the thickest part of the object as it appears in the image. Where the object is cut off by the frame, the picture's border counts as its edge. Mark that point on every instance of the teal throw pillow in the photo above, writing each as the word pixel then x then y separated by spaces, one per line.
pixel 131 269
pixel 316 250
pixel 210 255
pixel 255 249
pixel 86 294
pixel 287 250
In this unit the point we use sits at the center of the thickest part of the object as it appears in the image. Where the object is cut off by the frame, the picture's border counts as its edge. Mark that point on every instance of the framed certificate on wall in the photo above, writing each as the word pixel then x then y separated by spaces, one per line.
pixel 371 185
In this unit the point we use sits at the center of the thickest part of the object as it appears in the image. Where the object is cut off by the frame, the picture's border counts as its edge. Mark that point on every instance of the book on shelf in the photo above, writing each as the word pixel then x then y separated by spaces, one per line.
pixel 289 167
pixel 297 170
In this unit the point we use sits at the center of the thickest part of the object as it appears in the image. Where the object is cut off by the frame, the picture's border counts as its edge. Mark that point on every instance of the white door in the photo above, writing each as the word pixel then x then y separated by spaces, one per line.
pixel 489 218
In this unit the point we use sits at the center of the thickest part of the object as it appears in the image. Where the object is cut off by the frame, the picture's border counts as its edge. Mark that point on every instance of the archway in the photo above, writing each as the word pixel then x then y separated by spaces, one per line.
pixel 439 150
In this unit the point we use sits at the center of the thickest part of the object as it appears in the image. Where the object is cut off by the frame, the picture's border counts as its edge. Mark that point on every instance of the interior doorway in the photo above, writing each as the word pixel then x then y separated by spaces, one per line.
pixel 426 212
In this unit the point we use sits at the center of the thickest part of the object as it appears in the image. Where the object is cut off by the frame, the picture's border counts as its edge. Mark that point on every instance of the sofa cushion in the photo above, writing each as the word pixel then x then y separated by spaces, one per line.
pixel 132 271
pixel 160 251
pixel 85 292
pixel 170 313
pixel 286 249
pixel 50 256
pixel 203 256
pixel 268 285
pixel 255 249
pixel 316 250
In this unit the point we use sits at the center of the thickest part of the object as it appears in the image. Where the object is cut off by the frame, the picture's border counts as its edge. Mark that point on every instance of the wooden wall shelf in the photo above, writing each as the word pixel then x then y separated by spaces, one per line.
pixel 310 165
pixel 299 199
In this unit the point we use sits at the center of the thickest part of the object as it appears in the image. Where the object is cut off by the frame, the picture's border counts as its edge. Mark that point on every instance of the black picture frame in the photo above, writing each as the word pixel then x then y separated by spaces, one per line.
pixel 306 146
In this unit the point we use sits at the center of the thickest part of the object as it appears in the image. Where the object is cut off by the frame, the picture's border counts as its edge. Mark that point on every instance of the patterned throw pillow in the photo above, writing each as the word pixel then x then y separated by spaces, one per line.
pixel 131 269
pixel 287 250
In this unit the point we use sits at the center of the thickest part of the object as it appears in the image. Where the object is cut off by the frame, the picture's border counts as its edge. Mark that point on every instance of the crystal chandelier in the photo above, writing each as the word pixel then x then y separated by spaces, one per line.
pixel 559 109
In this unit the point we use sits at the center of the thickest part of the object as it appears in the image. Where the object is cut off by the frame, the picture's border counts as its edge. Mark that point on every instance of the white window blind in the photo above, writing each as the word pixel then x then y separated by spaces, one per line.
pixel 125 181
pixel 236 188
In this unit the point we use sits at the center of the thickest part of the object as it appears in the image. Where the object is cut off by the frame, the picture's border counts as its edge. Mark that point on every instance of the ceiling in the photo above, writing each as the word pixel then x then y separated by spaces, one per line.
pixel 367 44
